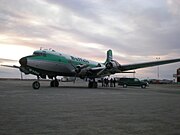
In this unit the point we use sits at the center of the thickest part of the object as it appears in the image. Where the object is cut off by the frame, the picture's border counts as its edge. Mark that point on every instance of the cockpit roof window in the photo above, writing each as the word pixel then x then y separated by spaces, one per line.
pixel 40 53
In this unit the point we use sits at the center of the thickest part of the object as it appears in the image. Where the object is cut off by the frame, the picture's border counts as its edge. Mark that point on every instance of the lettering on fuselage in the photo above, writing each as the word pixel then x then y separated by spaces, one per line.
pixel 79 59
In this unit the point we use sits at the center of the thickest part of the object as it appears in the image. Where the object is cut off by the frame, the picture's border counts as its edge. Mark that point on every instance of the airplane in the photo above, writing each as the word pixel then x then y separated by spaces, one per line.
pixel 49 63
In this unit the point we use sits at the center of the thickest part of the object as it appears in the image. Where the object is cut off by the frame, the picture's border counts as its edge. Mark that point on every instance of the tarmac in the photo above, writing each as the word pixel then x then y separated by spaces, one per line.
pixel 74 109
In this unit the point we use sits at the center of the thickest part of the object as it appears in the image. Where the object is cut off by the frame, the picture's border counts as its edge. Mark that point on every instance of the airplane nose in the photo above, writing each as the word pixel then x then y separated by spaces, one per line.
pixel 23 61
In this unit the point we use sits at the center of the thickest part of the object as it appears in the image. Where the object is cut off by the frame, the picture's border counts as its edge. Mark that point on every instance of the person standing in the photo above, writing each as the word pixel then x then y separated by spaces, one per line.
pixel 114 82
pixel 102 81
pixel 111 82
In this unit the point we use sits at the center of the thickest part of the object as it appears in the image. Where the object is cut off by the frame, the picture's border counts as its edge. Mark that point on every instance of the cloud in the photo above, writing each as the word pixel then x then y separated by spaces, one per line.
pixel 2 60
pixel 174 6
pixel 135 30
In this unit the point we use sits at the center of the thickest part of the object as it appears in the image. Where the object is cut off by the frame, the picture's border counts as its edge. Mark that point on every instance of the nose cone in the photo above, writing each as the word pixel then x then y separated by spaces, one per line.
pixel 23 61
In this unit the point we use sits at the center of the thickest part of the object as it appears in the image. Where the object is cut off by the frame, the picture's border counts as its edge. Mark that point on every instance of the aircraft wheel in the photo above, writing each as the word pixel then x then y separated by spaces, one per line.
pixel 54 83
pixel 95 84
pixel 36 85
pixel 92 85
pixel 124 85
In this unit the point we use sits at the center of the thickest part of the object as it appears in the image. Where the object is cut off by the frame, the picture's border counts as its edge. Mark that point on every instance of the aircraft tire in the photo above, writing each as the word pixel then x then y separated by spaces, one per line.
pixel 124 85
pixel 36 85
pixel 95 84
pixel 92 85
pixel 54 83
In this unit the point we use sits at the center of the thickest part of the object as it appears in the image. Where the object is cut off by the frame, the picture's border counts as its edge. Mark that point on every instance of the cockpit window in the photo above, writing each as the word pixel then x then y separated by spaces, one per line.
pixel 39 54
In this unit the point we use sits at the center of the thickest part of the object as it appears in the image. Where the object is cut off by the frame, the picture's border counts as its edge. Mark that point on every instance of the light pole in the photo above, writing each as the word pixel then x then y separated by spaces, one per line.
pixel 134 74
pixel 158 58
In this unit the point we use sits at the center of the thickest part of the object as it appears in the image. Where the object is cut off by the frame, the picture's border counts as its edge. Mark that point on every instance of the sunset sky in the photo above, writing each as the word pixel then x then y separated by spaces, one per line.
pixel 136 31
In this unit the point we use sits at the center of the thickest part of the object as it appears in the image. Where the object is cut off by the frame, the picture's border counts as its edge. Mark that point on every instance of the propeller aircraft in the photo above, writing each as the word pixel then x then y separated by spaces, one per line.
pixel 49 63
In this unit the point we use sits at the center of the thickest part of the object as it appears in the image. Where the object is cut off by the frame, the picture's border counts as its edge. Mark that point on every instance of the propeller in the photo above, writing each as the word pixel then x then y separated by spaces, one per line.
pixel 78 69
pixel 75 69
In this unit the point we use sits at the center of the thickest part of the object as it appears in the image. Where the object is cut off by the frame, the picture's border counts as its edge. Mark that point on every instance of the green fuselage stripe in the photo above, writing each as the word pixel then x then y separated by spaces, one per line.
pixel 63 59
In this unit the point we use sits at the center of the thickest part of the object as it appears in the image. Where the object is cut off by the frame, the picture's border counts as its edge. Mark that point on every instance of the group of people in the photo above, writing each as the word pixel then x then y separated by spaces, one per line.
pixel 108 83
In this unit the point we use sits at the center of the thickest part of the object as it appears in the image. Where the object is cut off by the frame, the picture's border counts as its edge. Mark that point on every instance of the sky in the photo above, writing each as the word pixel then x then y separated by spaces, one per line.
pixel 136 31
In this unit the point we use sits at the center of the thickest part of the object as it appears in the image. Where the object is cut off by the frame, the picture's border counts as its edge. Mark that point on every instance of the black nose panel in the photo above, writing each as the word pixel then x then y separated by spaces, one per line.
pixel 23 61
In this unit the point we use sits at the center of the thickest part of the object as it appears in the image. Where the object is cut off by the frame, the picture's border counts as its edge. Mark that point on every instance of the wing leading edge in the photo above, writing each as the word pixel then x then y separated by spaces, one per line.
pixel 147 64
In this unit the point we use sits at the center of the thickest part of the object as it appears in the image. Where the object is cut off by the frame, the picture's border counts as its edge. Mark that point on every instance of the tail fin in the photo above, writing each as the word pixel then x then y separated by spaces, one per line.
pixel 109 56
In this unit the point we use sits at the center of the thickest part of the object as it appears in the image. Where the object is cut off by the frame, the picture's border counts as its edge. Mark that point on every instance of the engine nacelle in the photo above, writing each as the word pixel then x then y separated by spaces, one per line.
pixel 80 67
pixel 113 65
pixel 83 73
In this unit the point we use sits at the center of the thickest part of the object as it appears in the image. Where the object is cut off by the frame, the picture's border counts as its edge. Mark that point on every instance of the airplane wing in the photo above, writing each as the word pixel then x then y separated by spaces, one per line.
pixel 147 64
pixel 103 71
pixel 14 66
pixel 22 69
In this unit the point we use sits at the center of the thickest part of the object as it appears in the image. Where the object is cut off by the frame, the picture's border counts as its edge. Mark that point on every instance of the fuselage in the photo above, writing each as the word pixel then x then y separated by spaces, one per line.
pixel 49 62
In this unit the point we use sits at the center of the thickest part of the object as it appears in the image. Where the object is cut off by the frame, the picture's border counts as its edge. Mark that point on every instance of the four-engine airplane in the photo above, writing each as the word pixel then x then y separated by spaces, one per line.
pixel 49 63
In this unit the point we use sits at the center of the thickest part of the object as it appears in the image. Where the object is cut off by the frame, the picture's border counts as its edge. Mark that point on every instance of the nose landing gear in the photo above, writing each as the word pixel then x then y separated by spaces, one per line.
pixel 36 85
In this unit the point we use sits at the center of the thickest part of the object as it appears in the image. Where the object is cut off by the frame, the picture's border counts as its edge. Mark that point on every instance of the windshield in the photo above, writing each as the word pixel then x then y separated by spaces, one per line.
pixel 39 53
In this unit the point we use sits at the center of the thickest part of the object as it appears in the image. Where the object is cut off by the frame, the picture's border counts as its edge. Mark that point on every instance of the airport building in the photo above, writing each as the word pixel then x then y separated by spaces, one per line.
pixel 177 75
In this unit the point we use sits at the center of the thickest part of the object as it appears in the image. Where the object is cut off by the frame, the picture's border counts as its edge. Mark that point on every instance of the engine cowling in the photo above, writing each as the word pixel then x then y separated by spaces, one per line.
pixel 80 67
pixel 113 65
pixel 83 73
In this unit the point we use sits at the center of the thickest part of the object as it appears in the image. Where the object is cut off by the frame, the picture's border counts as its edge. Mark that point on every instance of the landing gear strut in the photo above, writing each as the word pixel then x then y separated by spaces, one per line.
pixel 92 84
pixel 54 83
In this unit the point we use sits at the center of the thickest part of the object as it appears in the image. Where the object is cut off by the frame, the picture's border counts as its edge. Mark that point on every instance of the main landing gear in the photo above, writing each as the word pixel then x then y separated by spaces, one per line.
pixel 53 83
pixel 92 84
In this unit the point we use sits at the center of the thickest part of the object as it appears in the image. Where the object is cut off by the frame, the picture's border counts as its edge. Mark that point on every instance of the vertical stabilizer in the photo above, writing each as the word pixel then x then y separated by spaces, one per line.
pixel 109 56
